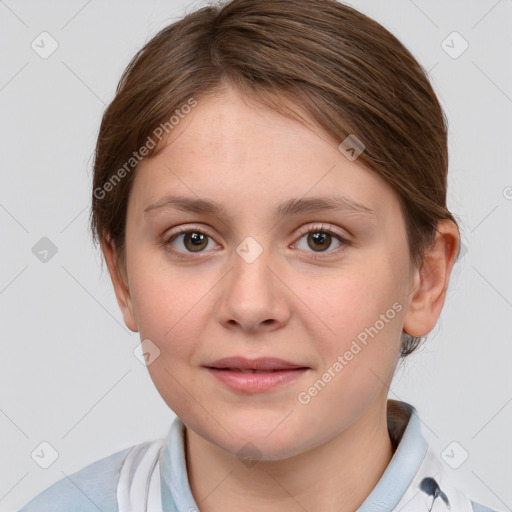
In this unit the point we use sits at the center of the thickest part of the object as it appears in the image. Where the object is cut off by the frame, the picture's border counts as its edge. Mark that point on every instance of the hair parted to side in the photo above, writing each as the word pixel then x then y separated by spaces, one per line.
pixel 344 70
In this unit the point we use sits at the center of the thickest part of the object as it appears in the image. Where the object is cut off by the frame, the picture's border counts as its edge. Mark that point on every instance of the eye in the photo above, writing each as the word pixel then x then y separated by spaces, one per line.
pixel 320 239
pixel 188 240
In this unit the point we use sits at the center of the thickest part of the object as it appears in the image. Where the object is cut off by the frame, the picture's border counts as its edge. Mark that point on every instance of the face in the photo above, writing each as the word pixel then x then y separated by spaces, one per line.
pixel 325 289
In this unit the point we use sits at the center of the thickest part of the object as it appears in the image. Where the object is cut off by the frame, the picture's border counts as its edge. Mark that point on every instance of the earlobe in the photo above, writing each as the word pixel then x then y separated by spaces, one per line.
pixel 120 283
pixel 430 284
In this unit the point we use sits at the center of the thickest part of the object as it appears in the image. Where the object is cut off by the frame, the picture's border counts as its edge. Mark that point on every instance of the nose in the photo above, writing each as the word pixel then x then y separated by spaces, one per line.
pixel 253 296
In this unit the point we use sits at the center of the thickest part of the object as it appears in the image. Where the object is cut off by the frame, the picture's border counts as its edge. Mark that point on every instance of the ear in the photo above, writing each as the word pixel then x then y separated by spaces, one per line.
pixel 430 282
pixel 120 283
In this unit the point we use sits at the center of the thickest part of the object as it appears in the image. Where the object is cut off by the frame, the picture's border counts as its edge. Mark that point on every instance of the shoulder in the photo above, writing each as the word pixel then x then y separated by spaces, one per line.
pixel 477 507
pixel 92 488
pixel 429 484
pixel 433 483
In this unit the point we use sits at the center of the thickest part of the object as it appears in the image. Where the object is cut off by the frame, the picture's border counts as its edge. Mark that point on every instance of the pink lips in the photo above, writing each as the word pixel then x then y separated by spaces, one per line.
pixel 255 375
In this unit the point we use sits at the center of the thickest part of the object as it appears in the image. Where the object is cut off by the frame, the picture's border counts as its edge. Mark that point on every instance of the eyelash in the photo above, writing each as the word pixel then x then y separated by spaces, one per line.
pixel 302 231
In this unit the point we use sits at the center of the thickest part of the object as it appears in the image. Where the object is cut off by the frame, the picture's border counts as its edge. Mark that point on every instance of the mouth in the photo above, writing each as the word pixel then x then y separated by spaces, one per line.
pixel 251 370
pixel 255 375
pixel 261 364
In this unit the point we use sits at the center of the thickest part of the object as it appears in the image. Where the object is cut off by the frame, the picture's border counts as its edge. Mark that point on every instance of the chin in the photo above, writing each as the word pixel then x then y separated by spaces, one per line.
pixel 254 437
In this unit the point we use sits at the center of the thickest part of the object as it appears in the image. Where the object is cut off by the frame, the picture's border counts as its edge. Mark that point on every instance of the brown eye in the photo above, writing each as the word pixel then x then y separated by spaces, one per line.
pixel 188 241
pixel 319 240
pixel 195 241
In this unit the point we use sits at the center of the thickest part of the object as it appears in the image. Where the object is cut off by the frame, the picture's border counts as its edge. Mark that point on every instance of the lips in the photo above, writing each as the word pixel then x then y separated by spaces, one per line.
pixel 258 365
pixel 254 376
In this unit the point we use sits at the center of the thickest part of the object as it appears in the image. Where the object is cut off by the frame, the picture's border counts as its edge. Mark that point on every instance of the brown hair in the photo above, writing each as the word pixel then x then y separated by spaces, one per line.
pixel 345 70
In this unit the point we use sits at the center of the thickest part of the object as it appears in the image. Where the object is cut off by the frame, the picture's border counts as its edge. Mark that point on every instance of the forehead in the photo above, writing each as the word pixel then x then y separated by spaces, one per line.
pixel 231 147
pixel 236 131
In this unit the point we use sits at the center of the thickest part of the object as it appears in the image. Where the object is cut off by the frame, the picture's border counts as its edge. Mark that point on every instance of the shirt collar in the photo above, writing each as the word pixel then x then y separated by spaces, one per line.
pixel 403 466
pixel 396 479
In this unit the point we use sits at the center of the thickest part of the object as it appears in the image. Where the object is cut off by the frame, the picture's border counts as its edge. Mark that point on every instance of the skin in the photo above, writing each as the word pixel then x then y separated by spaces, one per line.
pixel 329 453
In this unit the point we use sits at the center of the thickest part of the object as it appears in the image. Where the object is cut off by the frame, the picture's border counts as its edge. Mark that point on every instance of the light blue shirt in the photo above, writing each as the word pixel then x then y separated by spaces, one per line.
pixel 152 477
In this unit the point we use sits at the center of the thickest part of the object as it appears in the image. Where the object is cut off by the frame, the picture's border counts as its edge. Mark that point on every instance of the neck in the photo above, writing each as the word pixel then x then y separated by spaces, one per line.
pixel 336 476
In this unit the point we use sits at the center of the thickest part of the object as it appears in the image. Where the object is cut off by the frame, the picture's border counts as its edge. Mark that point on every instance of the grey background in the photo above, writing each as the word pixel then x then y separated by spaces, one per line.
pixel 68 375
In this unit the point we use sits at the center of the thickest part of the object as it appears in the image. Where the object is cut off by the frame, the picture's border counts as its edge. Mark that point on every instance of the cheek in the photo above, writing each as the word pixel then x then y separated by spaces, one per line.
pixel 359 349
pixel 353 301
pixel 167 306
pixel 166 301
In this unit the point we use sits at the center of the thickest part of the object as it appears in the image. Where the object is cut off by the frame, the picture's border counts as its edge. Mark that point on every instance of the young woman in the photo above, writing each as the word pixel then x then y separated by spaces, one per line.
pixel 270 197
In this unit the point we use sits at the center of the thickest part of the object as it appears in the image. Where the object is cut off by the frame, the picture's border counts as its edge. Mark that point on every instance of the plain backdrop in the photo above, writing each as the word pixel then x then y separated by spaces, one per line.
pixel 68 374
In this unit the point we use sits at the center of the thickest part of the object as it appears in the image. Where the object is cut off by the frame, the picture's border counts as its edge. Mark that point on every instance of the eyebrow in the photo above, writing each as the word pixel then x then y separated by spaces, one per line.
pixel 290 207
